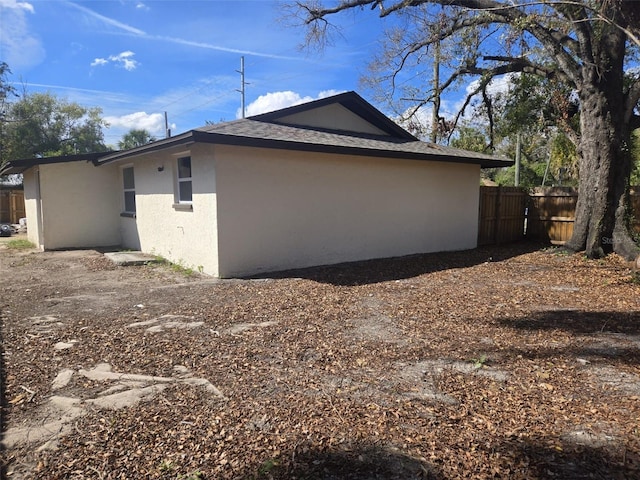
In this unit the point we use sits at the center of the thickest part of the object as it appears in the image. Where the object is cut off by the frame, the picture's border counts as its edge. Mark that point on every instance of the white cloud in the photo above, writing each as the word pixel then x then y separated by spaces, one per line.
pixel 90 14
pixel 497 85
pixel 278 100
pixel 20 48
pixel 17 5
pixel 219 48
pixel 142 6
pixel 152 122
pixel 123 60
pixel 98 62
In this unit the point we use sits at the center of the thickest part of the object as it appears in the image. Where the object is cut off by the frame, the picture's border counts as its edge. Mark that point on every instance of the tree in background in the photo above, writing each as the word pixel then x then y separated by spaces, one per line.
pixel 6 92
pixel 545 116
pixel 584 46
pixel 41 125
pixel 135 138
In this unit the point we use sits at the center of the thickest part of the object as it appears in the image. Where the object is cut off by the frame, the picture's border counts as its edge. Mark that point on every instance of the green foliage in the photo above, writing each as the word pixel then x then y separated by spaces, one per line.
pixel 525 109
pixel 178 267
pixel 635 155
pixel 135 138
pixel 41 124
pixel 167 466
pixel 267 467
pixel 197 475
pixel 480 362
pixel 533 105
pixel 563 163
pixel 470 138
pixel 531 174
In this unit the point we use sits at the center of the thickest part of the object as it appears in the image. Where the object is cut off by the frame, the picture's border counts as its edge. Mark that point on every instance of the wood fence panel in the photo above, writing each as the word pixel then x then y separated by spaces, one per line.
pixel 4 206
pixel 16 206
pixel 502 215
pixel 551 214
pixel 12 207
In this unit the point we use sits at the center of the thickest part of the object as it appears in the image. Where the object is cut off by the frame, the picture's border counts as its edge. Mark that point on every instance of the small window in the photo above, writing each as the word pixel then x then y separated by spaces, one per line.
pixel 129 188
pixel 185 194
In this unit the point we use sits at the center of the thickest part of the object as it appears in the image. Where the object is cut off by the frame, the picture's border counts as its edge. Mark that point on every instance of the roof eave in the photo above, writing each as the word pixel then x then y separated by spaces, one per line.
pixel 179 140
pixel 24 164
pixel 223 139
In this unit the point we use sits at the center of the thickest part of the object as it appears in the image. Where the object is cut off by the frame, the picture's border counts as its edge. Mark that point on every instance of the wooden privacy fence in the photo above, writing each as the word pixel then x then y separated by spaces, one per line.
pixel 502 215
pixel 509 214
pixel 11 205
pixel 551 214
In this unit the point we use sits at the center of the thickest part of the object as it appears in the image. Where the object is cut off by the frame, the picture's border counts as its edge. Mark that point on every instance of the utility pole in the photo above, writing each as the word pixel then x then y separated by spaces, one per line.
pixel 167 130
pixel 436 94
pixel 242 85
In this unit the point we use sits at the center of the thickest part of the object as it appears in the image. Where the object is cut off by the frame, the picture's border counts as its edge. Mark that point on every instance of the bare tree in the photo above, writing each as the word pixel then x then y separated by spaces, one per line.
pixel 585 45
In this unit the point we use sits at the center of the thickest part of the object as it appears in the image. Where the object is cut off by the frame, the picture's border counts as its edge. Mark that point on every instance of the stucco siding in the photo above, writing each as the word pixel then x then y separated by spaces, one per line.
pixel 79 206
pixel 32 207
pixel 185 237
pixel 280 210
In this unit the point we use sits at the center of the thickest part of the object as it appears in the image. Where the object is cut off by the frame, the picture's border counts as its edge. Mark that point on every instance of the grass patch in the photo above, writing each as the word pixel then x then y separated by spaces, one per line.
pixel 20 244
pixel 176 267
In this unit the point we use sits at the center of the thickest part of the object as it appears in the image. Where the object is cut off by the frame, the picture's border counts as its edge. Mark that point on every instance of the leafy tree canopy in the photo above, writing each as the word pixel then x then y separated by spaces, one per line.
pixel 41 124
pixel 135 138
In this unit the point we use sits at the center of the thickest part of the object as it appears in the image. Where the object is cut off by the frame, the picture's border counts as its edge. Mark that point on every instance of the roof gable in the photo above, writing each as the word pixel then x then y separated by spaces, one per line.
pixel 346 112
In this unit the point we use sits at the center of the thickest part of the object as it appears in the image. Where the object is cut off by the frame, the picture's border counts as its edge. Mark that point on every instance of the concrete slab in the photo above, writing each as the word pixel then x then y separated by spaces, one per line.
pixel 131 258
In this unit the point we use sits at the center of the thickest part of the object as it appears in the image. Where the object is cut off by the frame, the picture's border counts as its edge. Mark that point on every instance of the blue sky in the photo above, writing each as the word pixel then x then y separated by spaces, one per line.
pixel 137 59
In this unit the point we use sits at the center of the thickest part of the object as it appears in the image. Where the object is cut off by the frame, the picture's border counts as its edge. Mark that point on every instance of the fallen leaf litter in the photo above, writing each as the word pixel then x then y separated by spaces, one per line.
pixel 432 366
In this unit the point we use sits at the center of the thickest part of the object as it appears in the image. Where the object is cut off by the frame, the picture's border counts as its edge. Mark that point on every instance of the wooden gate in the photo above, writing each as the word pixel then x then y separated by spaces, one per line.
pixel 502 215
pixel 552 214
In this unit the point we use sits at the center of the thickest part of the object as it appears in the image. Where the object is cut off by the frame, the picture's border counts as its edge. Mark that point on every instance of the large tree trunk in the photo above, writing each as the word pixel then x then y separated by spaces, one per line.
pixel 601 224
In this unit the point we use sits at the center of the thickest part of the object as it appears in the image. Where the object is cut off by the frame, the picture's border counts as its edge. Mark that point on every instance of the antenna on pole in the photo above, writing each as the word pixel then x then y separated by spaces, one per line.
pixel 167 130
pixel 242 85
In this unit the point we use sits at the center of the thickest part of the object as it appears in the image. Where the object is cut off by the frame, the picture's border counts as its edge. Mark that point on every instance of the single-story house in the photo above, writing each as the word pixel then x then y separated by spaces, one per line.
pixel 329 181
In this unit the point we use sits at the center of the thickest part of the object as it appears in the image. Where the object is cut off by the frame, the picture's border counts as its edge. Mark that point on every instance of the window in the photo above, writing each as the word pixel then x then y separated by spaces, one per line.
pixel 129 188
pixel 185 194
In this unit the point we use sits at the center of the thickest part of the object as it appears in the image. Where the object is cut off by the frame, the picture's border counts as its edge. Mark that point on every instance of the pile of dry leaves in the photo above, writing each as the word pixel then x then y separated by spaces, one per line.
pixel 506 362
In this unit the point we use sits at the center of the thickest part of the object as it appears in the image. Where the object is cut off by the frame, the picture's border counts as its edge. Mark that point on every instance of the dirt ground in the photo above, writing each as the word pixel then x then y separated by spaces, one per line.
pixel 507 362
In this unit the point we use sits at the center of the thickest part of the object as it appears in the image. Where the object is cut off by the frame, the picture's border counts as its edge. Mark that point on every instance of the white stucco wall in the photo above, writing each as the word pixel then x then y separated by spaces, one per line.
pixel 280 210
pixel 79 206
pixel 32 206
pixel 188 238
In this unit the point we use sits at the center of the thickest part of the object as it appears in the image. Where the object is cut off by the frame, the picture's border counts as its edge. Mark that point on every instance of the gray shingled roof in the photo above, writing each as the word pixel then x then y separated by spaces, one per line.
pixel 344 141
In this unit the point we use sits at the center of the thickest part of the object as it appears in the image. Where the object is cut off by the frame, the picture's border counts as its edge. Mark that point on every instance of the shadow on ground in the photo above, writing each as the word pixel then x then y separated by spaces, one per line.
pixel 514 458
pixel 578 322
pixel 605 336
pixel 399 268
pixel 358 463
pixel 567 461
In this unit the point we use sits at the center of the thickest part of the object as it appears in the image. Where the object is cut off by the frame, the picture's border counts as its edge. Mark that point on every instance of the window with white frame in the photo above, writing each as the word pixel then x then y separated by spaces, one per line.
pixel 185 192
pixel 129 188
